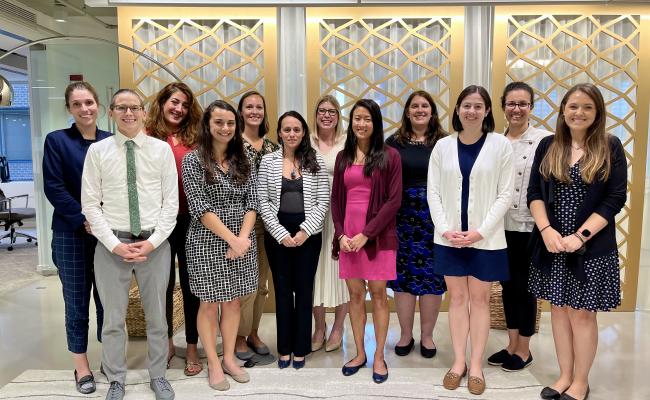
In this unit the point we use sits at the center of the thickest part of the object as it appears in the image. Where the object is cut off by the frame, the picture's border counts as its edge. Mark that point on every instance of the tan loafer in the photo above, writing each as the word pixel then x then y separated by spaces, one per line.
pixel 476 385
pixel 241 378
pixel 451 381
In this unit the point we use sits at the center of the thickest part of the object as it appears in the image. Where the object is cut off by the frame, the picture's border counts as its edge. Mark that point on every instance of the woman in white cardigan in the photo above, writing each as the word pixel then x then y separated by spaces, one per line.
pixel 469 190
pixel 293 190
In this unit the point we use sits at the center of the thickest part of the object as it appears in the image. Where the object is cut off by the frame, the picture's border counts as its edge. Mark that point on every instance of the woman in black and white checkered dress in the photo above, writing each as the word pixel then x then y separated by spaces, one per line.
pixel 221 247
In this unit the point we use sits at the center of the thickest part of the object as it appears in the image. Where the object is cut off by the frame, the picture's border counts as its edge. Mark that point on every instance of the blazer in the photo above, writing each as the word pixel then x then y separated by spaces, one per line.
pixel 490 190
pixel 605 198
pixel 315 191
pixel 64 154
pixel 385 201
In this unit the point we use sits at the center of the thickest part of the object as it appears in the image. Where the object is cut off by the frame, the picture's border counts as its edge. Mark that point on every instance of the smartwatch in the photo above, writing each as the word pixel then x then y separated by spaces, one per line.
pixel 585 233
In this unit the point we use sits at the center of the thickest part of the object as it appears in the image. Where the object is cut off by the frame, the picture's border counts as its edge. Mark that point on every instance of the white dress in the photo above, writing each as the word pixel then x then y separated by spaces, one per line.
pixel 329 289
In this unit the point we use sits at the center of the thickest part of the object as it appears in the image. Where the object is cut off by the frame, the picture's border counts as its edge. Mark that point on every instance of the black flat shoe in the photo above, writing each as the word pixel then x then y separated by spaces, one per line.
pixel 297 364
pixel 427 353
pixel 85 384
pixel 499 357
pixel 515 363
pixel 351 370
pixel 380 378
pixel 569 397
pixel 550 394
pixel 405 350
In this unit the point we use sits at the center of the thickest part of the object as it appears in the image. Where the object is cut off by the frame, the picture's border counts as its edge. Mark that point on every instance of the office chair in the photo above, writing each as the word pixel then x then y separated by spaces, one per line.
pixel 10 216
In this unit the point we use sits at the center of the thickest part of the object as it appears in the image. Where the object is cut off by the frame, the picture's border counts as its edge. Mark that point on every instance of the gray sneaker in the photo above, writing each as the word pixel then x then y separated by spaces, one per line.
pixel 116 391
pixel 162 388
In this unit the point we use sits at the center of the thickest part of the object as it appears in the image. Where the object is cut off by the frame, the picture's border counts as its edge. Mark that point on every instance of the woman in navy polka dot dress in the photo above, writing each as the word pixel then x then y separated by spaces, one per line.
pixel 577 186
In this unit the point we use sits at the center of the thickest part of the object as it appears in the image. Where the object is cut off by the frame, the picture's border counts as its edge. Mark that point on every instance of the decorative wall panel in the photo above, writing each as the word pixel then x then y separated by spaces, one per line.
pixel 605 46
pixel 219 52
pixel 385 54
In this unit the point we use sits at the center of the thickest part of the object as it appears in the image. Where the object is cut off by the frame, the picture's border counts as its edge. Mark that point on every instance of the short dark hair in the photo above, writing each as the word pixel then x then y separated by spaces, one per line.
pixel 488 121
pixel 512 86
pixel 122 91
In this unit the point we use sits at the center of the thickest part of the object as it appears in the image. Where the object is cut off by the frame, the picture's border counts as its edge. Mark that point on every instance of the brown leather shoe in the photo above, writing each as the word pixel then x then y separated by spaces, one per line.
pixel 476 385
pixel 451 381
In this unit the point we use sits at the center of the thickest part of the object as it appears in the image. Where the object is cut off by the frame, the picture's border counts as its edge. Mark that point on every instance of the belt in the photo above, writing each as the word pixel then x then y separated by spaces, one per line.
pixel 144 235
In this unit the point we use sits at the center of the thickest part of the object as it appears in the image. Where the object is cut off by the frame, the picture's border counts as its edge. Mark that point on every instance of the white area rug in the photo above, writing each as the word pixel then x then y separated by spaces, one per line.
pixel 288 384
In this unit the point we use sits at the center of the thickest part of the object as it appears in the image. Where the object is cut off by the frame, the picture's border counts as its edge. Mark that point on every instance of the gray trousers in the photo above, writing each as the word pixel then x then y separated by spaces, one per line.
pixel 113 280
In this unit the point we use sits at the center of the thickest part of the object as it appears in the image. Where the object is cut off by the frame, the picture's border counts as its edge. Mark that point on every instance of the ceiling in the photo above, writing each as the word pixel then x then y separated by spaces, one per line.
pixel 47 7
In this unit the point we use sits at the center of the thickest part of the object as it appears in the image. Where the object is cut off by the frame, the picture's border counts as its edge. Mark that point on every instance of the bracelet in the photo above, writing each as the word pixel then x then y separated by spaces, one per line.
pixel 340 236
pixel 542 230
pixel 579 237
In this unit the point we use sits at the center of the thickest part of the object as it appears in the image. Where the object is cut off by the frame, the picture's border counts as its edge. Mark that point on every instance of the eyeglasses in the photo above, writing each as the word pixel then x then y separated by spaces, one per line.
pixel 512 105
pixel 331 111
pixel 123 108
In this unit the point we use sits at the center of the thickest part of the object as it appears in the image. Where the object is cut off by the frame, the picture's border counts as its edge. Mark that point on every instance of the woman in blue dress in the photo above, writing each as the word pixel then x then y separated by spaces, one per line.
pixel 414 140
pixel 469 191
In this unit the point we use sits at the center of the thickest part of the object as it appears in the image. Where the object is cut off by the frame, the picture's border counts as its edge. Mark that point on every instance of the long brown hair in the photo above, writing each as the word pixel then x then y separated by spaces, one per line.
pixel 264 126
pixel 238 164
pixel 434 130
pixel 189 128
pixel 595 162
pixel 79 86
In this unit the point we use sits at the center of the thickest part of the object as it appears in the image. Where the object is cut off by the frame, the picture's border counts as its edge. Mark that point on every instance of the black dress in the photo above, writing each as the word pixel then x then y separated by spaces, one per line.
pixel 601 290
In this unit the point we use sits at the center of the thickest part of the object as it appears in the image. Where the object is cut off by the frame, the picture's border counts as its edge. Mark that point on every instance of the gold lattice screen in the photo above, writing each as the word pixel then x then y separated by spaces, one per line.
pixel 219 52
pixel 385 54
pixel 605 46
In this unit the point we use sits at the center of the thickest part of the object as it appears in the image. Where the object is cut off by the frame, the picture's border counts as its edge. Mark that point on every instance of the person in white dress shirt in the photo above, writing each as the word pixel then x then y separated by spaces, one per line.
pixel 132 223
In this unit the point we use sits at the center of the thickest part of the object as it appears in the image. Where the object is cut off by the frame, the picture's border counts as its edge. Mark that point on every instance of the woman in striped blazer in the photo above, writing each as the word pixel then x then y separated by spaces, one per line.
pixel 293 190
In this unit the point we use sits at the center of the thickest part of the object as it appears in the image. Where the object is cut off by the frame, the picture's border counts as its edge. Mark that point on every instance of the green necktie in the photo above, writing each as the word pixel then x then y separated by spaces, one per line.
pixel 134 208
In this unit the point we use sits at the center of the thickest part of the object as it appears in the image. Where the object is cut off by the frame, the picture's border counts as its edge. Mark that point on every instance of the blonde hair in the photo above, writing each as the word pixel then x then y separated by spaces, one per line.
pixel 595 162
pixel 328 98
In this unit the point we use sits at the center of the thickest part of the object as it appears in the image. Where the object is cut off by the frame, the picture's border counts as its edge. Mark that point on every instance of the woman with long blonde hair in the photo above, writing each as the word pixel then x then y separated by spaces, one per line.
pixel 328 139
pixel 577 186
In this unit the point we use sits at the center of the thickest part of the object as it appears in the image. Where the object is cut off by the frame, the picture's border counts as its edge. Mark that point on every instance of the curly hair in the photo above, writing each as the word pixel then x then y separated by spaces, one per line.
pixel 434 130
pixel 189 127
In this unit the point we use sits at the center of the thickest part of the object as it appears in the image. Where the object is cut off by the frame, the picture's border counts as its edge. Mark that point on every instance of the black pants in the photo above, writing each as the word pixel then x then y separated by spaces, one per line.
pixel 293 270
pixel 519 306
pixel 190 302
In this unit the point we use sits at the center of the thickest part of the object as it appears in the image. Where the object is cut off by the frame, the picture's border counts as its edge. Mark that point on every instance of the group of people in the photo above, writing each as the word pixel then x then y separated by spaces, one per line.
pixel 334 214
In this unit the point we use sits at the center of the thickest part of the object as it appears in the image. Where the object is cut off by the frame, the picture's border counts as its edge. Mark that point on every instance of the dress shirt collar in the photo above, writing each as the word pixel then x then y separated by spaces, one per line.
pixel 527 132
pixel 139 139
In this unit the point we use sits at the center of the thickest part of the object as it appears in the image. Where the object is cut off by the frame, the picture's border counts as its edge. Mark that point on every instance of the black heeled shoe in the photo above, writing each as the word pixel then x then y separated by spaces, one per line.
pixel 405 350
pixel 380 378
pixel 351 370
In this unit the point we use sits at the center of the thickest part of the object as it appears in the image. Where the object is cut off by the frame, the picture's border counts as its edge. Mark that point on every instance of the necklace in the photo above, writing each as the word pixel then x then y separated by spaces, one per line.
pixel 295 171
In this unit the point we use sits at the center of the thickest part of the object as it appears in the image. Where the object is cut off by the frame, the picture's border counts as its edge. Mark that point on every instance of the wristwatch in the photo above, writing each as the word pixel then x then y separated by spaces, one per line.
pixel 585 233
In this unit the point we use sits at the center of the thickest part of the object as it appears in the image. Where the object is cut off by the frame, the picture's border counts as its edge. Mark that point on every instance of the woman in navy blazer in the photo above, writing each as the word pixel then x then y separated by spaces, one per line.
pixel 73 246
pixel 293 190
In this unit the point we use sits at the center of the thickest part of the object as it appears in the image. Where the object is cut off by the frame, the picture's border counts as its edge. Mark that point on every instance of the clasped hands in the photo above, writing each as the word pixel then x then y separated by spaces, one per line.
pixel 462 239
pixel 354 244
pixel 237 247
pixel 556 243
pixel 296 240
pixel 134 252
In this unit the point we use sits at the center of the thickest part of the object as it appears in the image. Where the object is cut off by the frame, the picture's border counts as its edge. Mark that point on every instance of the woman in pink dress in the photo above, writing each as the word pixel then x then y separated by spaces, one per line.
pixel 366 194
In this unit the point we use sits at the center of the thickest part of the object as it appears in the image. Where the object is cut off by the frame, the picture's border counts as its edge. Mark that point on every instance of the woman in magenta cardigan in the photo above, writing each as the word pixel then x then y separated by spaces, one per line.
pixel 366 194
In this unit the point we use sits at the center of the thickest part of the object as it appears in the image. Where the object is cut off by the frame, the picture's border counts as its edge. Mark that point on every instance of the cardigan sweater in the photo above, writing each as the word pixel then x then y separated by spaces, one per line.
pixel 603 198
pixel 315 189
pixel 490 190
pixel 385 201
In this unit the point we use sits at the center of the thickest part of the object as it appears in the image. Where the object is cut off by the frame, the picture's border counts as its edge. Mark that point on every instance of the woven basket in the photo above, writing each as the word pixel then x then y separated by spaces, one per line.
pixel 135 322
pixel 497 316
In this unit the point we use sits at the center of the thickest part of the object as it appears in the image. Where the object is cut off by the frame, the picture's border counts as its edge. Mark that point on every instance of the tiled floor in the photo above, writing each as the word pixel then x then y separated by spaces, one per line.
pixel 32 336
